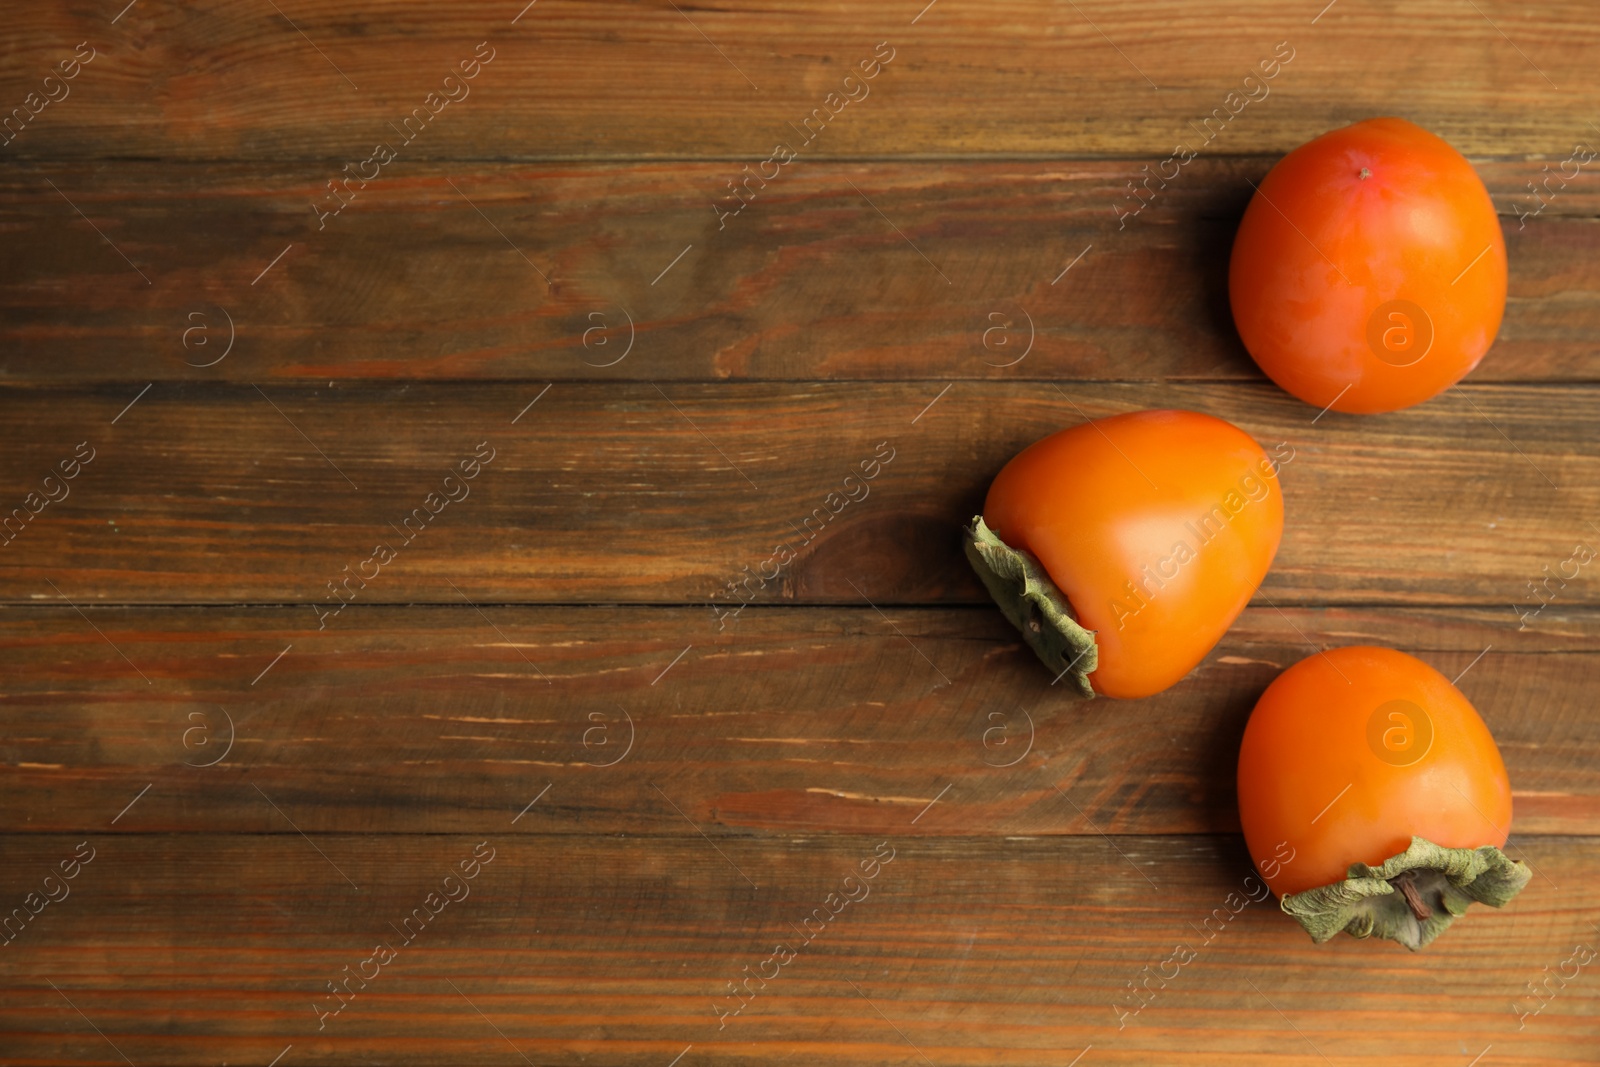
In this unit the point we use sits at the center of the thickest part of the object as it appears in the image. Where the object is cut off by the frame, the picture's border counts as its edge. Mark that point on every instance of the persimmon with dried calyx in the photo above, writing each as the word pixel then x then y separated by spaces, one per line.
pixel 1369 271
pixel 1123 548
pixel 1379 795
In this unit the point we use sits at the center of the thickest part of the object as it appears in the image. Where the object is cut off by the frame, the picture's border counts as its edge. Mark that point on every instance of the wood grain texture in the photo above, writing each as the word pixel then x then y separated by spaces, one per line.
pixel 625 79
pixel 553 662
pixel 608 492
pixel 792 720
pixel 562 272
pixel 199 947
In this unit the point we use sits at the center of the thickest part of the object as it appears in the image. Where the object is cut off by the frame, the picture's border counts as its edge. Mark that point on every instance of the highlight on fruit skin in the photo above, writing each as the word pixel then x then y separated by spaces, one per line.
pixel 1369 270
pixel 1123 548
pixel 1373 798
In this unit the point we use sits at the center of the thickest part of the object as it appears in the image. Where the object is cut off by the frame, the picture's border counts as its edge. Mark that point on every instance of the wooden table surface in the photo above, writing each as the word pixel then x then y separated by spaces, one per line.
pixel 373 615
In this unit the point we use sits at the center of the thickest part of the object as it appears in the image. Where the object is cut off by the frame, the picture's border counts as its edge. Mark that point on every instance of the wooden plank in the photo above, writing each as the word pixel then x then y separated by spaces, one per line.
pixel 203 948
pixel 571 271
pixel 611 492
pixel 792 720
pixel 622 79
pixel 271 787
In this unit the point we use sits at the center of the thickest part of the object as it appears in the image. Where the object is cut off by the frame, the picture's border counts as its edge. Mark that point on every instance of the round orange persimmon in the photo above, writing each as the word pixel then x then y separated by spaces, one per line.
pixel 1350 754
pixel 1369 271
pixel 1125 547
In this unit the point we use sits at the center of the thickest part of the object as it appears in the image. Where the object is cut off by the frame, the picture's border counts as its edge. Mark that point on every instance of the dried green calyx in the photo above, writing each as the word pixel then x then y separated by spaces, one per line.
pixel 1412 897
pixel 1030 600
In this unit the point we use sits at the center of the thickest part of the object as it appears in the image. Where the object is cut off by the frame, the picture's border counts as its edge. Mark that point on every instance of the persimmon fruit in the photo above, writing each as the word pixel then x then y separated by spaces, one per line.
pixel 1373 797
pixel 1123 548
pixel 1369 270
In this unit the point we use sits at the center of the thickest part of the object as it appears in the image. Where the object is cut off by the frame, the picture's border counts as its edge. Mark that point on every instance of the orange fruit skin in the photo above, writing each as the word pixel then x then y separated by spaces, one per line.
pixel 1318 781
pixel 1369 293
pixel 1099 503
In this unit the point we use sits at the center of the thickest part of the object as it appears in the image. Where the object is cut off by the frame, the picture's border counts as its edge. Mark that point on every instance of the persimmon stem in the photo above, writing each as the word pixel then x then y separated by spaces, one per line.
pixel 1412 896
pixel 1032 603
pixel 1407 884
